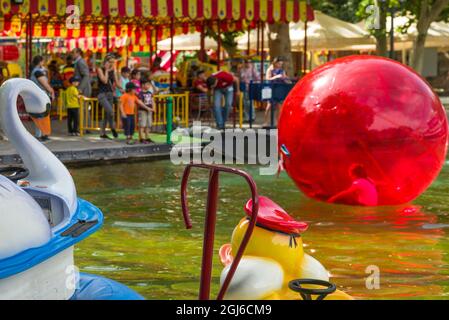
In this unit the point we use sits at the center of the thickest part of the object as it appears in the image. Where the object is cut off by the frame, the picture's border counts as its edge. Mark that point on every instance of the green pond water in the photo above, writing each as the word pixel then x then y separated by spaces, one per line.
pixel 144 245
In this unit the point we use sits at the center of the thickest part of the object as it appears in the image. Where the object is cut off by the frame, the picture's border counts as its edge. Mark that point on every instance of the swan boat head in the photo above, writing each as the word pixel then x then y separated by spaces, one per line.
pixel 41 218
pixel 47 173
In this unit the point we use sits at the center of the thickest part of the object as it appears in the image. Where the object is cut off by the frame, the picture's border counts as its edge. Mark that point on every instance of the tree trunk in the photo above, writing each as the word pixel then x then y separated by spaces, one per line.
pixel 230 49
pixel 280 44
pixel 422 26
pixel 428 14
pixel 418 51
pixel 381 33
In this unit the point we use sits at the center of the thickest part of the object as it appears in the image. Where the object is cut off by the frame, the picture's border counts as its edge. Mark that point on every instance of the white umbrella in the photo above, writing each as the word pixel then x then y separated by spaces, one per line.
pixel 329 33
pixel 187 42
pixel 324 33
pixel 437 35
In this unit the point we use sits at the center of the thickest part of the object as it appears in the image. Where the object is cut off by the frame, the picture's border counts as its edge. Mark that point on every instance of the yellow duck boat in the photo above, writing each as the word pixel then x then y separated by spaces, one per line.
pixel 274 258
pixel 265 259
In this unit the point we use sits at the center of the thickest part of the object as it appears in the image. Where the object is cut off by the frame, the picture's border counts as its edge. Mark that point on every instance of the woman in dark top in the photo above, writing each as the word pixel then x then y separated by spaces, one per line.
pixel 107 77
pixel 276 74
pixel 39 75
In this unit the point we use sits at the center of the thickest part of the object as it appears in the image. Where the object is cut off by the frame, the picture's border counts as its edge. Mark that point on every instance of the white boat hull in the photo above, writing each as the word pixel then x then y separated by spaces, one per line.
pixel 53 279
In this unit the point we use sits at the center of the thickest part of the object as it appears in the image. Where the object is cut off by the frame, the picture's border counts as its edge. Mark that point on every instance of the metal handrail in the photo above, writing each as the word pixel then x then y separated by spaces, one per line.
pixel 210 222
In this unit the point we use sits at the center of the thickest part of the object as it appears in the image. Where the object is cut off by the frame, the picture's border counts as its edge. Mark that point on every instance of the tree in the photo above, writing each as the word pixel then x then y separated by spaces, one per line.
pixel 375 13
pixel 356 10
pixel 279 35
pixel 427 11
pixel 421 12
pixel 227 39
pixel 280 44
pixel 345 10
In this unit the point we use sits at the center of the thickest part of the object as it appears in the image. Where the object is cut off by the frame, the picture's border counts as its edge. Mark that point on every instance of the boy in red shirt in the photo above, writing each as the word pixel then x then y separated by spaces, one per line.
pixel 128 103
pixel 200 84
pixel 222 84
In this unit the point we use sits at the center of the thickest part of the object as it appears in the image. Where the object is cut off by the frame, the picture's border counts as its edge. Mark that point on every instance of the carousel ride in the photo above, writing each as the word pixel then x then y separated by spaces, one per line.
pixel 41 217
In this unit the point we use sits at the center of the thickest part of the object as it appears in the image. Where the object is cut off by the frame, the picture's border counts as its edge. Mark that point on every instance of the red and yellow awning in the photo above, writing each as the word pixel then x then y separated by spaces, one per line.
pixel 259 10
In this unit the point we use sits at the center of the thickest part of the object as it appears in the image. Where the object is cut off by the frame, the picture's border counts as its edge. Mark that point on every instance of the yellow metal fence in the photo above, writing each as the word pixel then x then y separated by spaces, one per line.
pixel 91 113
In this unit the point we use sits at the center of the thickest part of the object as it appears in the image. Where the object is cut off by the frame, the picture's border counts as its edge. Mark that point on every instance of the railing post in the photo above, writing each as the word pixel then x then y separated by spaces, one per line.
pixel 209 230
pixel 60 102
pixel 187 106
pixel 241 110
pixel 251 104
pixel 81 117
pixel 169 105
pixel 273 108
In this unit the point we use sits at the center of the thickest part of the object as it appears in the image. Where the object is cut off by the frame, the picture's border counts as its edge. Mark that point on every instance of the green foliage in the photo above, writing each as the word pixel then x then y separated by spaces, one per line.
pixel 356 10
pixel 227 39
pixel 341 9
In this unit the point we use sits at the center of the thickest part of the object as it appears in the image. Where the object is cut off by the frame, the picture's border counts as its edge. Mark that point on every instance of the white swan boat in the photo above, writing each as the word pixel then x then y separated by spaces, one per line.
pixel 41 218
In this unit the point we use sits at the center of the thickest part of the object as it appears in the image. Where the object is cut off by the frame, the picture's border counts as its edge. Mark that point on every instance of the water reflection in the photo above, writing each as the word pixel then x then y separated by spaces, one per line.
pixel 161 260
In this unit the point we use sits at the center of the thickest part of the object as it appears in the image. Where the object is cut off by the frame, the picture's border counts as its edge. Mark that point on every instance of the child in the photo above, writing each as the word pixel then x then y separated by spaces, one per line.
pixel 73 106
pixel 127 106
pixel 125 73
pixel 135 78
pixel 362 191
pixel 146 115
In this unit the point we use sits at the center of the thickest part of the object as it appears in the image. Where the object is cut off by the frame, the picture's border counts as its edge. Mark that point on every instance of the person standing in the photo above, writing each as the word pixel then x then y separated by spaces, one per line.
pixel 73 106
pixel 157 65
pixel 39 76
pixel 68 71
pixel 222 85
pixel 248 73
pixel 199 84
pixel 136 75
pixel 277 74
pixel 127 105
pixel 54 75
pixel 106 82
pixel 125 73
pixel 82 72
pixel 145 115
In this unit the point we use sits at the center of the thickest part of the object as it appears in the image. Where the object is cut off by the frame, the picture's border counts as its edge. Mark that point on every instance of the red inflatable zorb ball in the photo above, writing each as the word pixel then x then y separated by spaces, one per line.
pixel 368 113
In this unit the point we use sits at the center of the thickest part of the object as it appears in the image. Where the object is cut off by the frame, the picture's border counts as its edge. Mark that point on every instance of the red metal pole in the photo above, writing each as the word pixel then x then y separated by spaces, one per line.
pixel 211 213
pixel 249 39
pixel 127 56
pixel 209 230
pixel 150 63
pixel 156 40
pixel 172 60
pixel 219 47
pixel 203 42
pixel 258 37
pixel 262 51
pixel 305 47
pixel 29 45
pixel 107 34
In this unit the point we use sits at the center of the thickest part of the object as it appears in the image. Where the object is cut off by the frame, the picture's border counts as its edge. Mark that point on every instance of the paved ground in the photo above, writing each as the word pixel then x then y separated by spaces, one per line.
pixel 88 148
pixel 60 141
pixel 91 147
